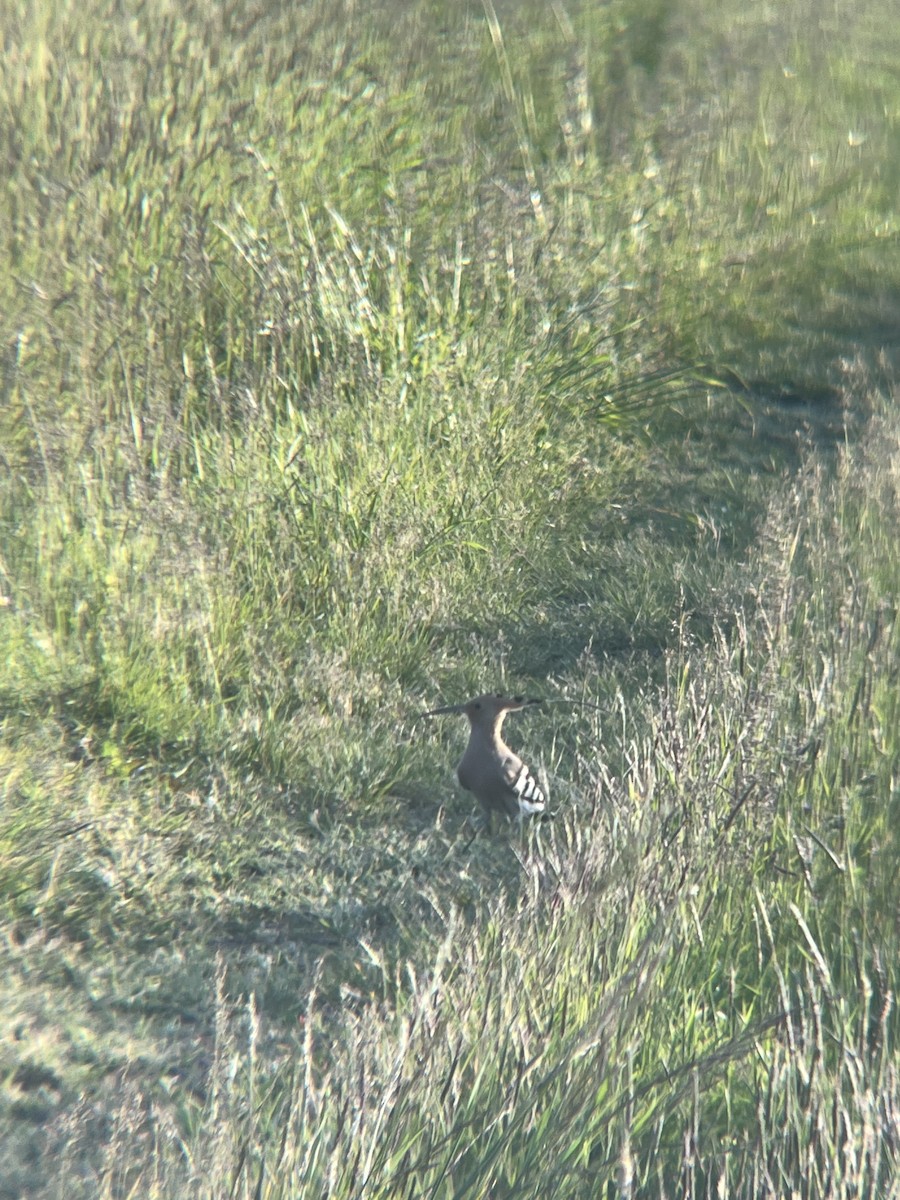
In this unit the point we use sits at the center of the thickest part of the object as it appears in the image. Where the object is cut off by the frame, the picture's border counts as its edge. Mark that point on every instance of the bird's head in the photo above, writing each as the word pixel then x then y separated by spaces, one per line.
pixel 488 709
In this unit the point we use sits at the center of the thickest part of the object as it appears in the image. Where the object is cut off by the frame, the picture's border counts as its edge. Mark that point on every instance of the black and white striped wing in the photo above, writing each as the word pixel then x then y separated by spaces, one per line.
pixel 529 795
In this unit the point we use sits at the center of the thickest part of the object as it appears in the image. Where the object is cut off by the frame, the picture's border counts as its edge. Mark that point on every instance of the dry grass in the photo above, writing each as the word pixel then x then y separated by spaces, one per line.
pixel 353 362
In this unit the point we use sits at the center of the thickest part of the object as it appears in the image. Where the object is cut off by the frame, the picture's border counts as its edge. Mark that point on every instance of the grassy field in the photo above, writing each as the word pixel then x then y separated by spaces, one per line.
pixel 356 359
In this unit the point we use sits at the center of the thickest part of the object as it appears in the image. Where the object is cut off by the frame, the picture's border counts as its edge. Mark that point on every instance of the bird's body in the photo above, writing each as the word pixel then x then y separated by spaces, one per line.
pixel 489 769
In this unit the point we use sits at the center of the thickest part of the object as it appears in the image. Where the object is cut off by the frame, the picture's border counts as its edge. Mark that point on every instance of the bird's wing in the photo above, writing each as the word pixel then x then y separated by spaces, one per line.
pixel 524 790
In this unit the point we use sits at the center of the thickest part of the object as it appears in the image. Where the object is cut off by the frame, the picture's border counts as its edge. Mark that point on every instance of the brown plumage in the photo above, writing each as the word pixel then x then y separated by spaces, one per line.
pixel 494 773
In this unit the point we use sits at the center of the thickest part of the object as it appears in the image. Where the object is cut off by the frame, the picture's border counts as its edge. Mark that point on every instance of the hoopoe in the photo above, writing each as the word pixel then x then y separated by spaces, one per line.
pixel 495 774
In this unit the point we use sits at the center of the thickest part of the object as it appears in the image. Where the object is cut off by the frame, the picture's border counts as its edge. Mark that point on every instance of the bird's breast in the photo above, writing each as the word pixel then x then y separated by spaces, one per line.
pixel 462 774
pixel 480 770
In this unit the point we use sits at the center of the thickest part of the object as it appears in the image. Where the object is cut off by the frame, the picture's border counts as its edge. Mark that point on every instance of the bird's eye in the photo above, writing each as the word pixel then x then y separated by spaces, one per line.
pixel 476 705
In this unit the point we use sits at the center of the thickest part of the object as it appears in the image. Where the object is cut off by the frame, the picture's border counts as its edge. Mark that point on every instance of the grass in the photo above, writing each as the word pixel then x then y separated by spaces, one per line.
pixel 354 362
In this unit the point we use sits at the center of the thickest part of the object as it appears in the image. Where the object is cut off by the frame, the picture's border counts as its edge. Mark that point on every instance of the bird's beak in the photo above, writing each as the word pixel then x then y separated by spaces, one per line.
pixel 439 712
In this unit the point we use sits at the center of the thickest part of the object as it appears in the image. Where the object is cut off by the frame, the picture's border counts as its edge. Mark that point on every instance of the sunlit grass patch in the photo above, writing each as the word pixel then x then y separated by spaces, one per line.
pixel 354 362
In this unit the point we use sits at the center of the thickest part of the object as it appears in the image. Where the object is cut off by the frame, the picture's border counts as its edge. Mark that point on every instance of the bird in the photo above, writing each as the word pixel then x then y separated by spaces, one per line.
pixel 497 777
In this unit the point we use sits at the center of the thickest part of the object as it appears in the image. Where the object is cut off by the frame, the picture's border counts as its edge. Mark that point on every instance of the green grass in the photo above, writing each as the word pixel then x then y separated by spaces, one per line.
pixel 355 361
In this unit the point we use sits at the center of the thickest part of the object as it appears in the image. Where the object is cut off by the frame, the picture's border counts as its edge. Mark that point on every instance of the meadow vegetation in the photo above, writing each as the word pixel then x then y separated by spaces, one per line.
pixel 359 358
